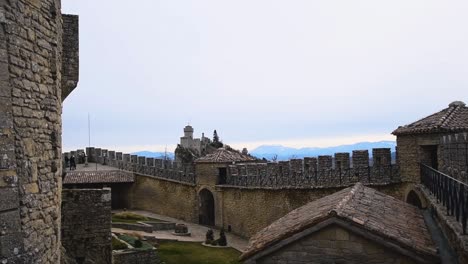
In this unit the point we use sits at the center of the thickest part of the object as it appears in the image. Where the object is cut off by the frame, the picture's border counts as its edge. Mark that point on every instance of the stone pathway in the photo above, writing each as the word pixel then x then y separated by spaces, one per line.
pixel 198 231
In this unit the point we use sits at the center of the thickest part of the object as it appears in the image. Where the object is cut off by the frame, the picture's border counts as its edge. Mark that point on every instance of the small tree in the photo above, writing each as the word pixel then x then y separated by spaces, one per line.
pixel 274 158
pixel 215 137
pixel 245 151
pixel 138 243
pixel 216 143
pixel 222 238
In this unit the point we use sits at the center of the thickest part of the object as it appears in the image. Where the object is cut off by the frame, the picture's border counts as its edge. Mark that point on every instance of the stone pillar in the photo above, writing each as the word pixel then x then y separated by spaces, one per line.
pixel 382 157
pixel 342 161
pixel 360 158
pixel 134 159
pixel 150 162
pixel 325 163
pixel 126 158
pixel 158 163
pixel 296 167
pixel 310 166
pixel 90 153
pixel 283 168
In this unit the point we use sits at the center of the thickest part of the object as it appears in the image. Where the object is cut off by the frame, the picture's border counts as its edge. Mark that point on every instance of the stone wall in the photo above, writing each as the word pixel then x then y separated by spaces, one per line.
pixel 452 229
pixel 170 198
pixel 30 130
pixel 70 65
pixel 149 256
pixel 249 210
pixel 410 154
pixel 323 171
pixel 454 155
pixel 334 244
pixel 162 168
pixel 86 225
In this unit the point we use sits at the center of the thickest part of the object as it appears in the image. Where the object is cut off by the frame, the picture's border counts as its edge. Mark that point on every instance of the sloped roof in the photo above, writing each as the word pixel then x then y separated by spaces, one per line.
pixel 363 207
pixel 83 177
pixel 451 119
pixel 223 155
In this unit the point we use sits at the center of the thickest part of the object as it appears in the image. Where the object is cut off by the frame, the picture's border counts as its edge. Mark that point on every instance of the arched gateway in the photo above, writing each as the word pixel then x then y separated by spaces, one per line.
pixel 206 208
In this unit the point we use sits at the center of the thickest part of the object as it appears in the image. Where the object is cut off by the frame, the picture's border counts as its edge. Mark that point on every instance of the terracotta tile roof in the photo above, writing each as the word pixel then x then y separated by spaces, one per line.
pixel 363 207
pixel 223 155
pixel 83 177
pixel 451 119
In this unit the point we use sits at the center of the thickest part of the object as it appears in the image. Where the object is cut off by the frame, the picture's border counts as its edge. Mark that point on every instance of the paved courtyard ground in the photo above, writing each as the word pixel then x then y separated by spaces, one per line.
pixel 198 231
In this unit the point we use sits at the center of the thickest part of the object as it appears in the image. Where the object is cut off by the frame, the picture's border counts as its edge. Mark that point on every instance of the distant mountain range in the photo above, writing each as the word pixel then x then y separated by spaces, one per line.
pixel 286 153
pixel 158 155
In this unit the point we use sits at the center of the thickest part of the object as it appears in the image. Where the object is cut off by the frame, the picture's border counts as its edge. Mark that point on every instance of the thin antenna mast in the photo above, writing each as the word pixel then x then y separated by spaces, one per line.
pixel 89 132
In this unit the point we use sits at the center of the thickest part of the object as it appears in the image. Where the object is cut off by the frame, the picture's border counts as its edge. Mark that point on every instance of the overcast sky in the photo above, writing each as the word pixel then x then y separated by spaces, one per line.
pixel 297 73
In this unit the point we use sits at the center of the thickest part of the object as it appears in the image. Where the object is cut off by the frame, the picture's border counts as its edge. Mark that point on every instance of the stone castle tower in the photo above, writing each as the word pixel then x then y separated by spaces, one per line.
pixel 196 144
pixel 38 69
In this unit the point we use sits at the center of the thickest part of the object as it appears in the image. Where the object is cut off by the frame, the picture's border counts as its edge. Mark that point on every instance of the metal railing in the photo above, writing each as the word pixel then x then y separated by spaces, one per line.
pixel 452 193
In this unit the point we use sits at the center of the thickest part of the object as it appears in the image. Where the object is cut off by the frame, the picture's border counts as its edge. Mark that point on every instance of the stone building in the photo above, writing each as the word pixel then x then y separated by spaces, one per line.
pixel 211 170
pixel 118 181
pixel 419 142
pixel 195 144
pixel 354 225
pixel 38 69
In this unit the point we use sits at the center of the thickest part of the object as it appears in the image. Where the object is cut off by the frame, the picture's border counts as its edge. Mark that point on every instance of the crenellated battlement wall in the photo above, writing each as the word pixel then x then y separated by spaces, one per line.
pixel 342 169
pixel 166 187
pixel 167 169
pixel 323 171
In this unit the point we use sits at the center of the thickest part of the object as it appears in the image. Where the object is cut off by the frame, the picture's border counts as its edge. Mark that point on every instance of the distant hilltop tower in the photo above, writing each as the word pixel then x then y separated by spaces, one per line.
pixel 196 144
pixel 188 132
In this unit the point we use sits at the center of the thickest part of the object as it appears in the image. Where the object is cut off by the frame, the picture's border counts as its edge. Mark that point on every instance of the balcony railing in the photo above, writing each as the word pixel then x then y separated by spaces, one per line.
pixel 452 193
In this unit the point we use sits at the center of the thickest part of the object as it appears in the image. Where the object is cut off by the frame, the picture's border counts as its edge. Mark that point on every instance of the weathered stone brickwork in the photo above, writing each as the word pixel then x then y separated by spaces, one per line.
pixel 86 225
pixel 30 129
pixel 70 65
pixel 411 153
pixel 334 244
pixel 454 156
pixel 164 197
pixel 249 210
pixel 310 172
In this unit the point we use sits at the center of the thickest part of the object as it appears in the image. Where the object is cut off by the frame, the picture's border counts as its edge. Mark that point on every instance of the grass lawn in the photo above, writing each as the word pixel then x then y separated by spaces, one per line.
pixel 131 240
pixel 194 253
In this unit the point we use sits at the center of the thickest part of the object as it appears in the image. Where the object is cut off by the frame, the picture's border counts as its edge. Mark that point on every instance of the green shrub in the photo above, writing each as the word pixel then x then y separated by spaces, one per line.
pixel 130 216
pixel 209 236
pixel 138 243
pixel 135 242
pixel 117 244
pixel 222 238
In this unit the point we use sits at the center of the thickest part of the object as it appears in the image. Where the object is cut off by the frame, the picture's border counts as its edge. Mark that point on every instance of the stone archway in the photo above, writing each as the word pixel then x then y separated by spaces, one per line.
pixel 206 208
pixel 413 199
